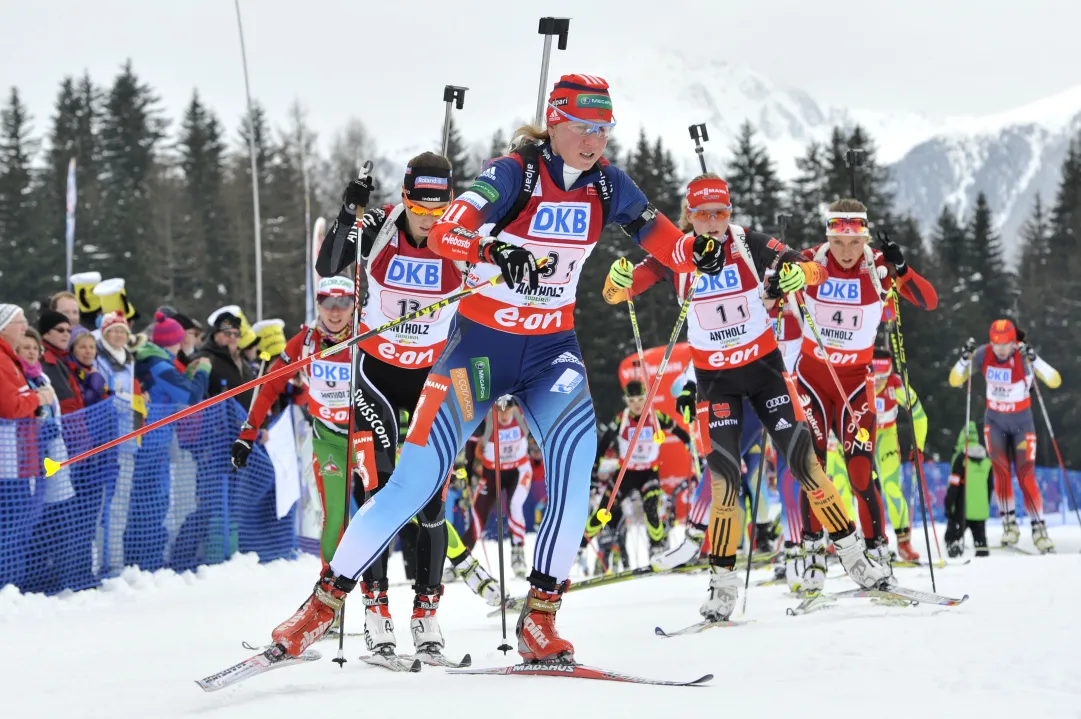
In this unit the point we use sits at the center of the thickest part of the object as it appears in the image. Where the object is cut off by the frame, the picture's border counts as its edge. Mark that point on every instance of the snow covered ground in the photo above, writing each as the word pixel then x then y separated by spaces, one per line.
pixel 133 648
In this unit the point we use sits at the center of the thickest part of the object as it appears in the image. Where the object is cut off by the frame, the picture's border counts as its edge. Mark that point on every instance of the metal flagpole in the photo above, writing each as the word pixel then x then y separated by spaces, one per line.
pixel 254 174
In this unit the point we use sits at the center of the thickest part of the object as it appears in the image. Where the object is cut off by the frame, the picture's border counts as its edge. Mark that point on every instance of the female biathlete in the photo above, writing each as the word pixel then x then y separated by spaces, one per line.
pixel 735 355
pixel 847 308
pixel 550 199
pixel 1009 369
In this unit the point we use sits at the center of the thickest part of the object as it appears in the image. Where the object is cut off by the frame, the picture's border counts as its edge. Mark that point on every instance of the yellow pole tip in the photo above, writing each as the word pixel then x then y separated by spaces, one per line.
pixel 863 435
pixel 604 516
pixel 51 467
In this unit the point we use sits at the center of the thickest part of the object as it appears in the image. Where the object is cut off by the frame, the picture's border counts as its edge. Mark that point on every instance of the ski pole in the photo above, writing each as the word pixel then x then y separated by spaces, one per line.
pixel 605 513
pixel 52 466
pixel 453 95
pixel 354 370
pixel 504 647
pixel 968 419
pixel 754 516
pixel 1050 431
pixel 549 27
pixel 862 435
pixel 699 135
pixel 925 507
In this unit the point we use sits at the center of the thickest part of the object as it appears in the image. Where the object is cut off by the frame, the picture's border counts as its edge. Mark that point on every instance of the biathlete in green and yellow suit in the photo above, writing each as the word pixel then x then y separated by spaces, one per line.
pixel 890 396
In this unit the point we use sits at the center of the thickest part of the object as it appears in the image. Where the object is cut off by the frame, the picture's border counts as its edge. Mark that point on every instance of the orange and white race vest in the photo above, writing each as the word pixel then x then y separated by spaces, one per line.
pixel 646 450
pixel 513 445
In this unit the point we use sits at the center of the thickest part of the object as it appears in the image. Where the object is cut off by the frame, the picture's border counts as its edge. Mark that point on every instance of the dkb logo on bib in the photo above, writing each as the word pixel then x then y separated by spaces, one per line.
pixel 413 273
pixel 847 291
pixel 561 221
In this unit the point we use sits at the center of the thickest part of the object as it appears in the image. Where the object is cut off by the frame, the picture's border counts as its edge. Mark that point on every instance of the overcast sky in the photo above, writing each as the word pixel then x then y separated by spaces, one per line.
pixel 341 57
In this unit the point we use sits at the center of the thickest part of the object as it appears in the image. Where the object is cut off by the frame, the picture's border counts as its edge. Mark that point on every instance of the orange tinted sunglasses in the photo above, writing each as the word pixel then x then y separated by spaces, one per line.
pixel 704 215
pixel 424 211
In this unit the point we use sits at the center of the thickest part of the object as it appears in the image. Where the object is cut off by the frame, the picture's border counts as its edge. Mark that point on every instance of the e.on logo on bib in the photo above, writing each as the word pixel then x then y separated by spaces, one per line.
pixel 847 291
pixel 561 221
pixel 414 273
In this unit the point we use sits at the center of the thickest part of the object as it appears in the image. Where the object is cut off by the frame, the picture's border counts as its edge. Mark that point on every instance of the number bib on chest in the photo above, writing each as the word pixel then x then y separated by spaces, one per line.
pixel 847 312
pixel 513 446
pixel 401 280
pixel 646 450
pixel 328 390
pixel 1007 385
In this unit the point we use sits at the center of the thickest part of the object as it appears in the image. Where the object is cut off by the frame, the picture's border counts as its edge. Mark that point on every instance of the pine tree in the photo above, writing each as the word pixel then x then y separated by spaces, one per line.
pixel 204 263
pixel 753 183
pixel 74 134
pixel 806 198
pixel 129 244
pixel 349 149
pixel 241 209
pixel 1035 268
pixel 990 282
pixel 18 210
pixel 499 145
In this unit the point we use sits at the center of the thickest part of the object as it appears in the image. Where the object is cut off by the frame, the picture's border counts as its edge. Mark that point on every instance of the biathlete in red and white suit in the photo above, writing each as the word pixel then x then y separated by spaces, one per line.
pixel 549 199
pixel 402 275
pixel 847 309
pixel 735 357
pixel 1009 368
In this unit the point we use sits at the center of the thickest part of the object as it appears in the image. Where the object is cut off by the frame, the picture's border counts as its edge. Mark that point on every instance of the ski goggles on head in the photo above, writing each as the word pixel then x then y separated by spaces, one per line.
pixel 705 215
pixel 336 302
pixel 424 211
pixel 848 223
pixel 581 127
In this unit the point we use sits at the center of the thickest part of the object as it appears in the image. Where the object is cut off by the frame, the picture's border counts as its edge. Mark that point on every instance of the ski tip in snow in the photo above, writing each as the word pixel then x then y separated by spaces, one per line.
pixel 579 671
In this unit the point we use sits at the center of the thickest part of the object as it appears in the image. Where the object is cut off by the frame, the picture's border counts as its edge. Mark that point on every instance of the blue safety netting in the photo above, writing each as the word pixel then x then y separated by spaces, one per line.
pixel 169 499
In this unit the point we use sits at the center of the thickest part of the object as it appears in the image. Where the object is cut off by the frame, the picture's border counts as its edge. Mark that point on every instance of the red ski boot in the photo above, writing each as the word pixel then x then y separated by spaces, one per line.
pixel 314 617
pixel 904 546
pixel 538 640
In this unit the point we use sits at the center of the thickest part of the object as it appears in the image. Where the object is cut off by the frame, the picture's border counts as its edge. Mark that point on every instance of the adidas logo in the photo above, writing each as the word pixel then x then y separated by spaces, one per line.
pixel 782 423
pixel 567 357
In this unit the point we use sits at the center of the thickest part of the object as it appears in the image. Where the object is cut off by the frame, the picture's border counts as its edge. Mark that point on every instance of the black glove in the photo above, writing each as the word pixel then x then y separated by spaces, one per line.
pixel 1029 352
pixel 708 254
pixel 686 402
pixel 516 263
pixel 241 450
pixel 968 348
pixel 891 251
pixel 357 194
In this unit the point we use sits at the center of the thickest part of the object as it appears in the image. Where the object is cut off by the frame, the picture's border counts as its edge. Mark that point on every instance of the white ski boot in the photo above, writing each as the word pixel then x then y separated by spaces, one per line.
pixel 883 556
pixel 378 625
pixel 1011 533
pixel 794 564
pixel 814 562
pixel 723 593
pixel 477 578
pixel 861 565
pixel 685 553
pixel 427 637
pixel 1040 538
pixel 517 562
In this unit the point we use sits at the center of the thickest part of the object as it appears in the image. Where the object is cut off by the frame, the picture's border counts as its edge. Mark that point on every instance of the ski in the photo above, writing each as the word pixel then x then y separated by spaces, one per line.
pixel 272 658
pixel 1018 550
pixel 580 671
pixel 514 604
pixel 812 601
pixel 393 662
pixel 916 596
pixel 436 659
pixel 698 627
pixel 877 596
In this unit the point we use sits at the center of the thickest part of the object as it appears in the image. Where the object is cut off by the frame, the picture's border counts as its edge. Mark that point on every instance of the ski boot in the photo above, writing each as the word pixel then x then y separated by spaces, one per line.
pixel 723 593
pixel 477 578
pixel 763 538
pixel 955 549
pixel 904 546
pixel 378 625
pixel 538 639
pixel 688 551
pixel 427 637
pixel 794 564
pixel 517 561
pixel 862 566
pixel 814 562
pixel 1040 538
pixel 1011 533
pixel 883 555
pixel 982 550
pixel 314 617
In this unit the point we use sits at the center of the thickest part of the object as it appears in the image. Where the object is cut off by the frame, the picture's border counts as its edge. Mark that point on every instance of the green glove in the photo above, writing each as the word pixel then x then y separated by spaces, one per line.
pixel 622 273
pixel 791 278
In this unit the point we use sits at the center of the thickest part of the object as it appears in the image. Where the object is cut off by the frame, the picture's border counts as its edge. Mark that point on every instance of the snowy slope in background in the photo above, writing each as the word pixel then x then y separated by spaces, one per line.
pixel 1010 155
pixel 133 649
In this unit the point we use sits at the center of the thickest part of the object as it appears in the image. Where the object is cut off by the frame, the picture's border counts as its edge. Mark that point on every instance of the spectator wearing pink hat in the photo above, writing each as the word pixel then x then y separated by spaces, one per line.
pixel 158 375
pixel 115 361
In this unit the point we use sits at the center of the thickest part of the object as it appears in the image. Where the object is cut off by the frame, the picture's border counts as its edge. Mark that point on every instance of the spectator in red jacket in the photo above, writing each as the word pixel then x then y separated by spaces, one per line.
pixel 55 331
pixel 17 399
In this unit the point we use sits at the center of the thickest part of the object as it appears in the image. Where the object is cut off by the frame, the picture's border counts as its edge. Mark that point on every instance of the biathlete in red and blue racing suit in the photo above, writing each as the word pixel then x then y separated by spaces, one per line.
pixel 549 199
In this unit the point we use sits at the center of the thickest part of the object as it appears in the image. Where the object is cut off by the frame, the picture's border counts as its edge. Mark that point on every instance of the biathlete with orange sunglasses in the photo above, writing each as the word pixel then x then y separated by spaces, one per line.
pixel 403 275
